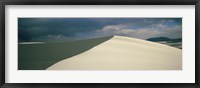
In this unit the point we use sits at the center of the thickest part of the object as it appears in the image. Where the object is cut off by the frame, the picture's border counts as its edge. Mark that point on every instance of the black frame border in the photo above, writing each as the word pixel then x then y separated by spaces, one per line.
pixel 99 2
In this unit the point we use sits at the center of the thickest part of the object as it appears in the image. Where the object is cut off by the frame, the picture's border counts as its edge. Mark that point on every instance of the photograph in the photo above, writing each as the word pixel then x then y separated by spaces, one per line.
pixel 100 43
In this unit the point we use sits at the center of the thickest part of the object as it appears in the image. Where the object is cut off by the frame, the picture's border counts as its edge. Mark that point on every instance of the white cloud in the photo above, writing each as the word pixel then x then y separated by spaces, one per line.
pixel 144 31
pixel 157 30
pixel 159 26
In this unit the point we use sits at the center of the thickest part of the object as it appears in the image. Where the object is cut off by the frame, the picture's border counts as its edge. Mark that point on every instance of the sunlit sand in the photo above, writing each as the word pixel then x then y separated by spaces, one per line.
pixel 124 53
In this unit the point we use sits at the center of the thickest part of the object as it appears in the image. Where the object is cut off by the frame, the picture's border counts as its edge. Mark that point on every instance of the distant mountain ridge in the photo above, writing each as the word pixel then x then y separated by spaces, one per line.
pixel 158 39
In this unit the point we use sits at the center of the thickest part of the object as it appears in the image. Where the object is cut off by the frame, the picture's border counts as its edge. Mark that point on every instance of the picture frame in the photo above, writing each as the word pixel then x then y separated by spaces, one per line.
pixel 98 2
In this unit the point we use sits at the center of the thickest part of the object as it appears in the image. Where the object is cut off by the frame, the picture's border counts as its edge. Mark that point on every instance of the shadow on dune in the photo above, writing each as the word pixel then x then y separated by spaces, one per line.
pixel 41 56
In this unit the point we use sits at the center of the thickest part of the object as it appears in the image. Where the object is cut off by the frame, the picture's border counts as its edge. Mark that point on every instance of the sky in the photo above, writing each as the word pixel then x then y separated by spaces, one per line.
pixel 68 29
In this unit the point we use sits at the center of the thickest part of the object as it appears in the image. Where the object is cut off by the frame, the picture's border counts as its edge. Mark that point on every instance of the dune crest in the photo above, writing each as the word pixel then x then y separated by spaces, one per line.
pixel 124 53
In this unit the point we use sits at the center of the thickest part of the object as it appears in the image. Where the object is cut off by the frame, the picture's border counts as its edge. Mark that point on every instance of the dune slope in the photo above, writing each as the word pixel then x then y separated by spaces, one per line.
pixel 39 56
pixel 124 53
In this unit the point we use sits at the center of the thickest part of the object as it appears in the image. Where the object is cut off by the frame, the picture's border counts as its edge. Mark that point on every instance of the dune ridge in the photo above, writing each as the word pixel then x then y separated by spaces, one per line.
pixel 124 53
pixel 39 56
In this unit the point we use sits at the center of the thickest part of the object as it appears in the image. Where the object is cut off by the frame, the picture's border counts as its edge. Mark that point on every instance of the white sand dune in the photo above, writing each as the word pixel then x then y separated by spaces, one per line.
pixel 124 53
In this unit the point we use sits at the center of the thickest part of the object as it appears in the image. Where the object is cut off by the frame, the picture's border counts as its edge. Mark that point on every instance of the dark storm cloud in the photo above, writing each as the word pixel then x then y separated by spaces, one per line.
pixel 43 29
pixel 35 27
